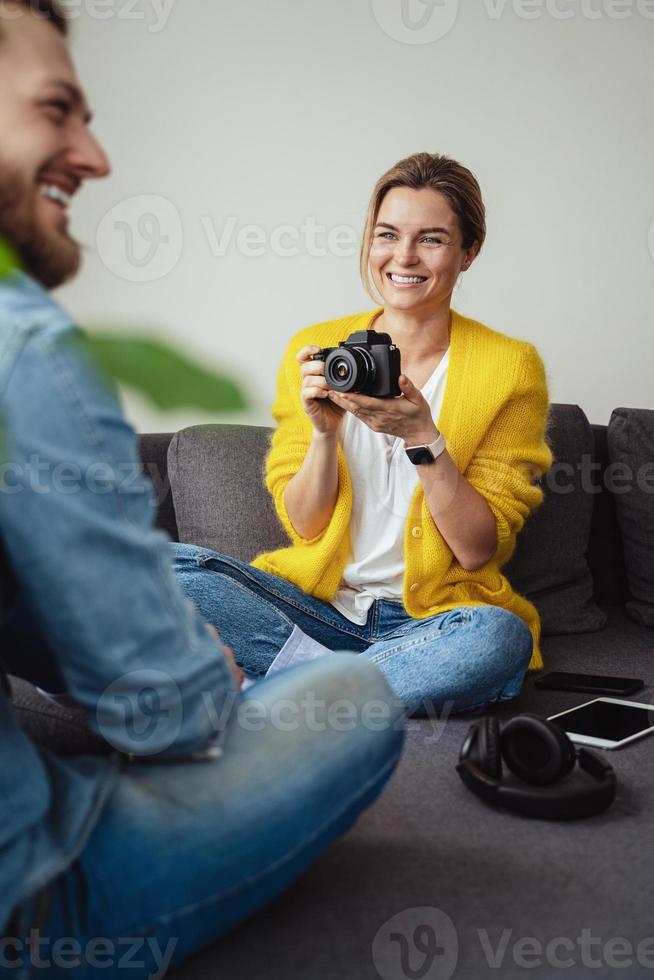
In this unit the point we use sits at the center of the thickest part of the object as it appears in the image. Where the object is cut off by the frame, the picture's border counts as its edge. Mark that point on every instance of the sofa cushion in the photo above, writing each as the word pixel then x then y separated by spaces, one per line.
pixel 221 500
pixel 631 449
pixel 549 564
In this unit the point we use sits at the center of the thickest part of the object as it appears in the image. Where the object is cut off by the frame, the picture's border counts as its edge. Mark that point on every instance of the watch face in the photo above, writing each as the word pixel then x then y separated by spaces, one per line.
pixel 420 455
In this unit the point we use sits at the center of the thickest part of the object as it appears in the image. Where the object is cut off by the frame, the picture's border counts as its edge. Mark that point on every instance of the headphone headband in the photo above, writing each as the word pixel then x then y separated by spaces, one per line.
pixel 554 802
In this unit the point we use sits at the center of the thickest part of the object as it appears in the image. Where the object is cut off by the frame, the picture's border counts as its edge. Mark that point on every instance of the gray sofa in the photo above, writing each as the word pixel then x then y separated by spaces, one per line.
pixel 505 896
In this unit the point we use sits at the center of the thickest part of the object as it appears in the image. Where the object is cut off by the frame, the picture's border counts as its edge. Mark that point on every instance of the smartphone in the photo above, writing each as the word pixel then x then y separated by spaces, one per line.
pixel 606 723
pixel 559 680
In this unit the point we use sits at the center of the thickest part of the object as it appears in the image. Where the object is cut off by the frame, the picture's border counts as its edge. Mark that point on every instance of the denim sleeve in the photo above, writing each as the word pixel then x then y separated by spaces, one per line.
pixel 77 520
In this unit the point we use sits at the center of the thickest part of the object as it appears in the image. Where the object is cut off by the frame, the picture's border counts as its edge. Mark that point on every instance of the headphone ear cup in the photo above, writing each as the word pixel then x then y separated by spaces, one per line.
pixel 490 757
pixel 536 750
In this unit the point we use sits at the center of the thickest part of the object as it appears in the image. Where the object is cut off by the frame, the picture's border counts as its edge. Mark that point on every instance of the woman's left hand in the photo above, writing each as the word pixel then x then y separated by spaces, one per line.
pixel 407 416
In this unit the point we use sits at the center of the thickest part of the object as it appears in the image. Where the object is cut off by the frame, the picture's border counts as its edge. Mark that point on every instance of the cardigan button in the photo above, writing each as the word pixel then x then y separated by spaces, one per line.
pixel 414 587
pixel 416 532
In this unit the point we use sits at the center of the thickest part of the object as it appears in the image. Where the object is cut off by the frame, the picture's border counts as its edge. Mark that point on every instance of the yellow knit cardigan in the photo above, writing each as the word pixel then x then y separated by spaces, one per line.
pixel 494 419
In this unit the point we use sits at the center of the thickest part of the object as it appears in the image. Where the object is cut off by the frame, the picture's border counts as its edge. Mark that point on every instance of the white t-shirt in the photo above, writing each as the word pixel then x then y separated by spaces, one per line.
pixel 383 483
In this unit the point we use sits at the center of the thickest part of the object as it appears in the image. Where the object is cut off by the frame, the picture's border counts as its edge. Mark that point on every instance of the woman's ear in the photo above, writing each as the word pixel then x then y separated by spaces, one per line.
pixel 470 256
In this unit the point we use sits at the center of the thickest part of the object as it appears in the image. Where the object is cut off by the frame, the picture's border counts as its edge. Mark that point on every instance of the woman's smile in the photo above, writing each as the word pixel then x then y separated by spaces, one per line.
pixel 404 281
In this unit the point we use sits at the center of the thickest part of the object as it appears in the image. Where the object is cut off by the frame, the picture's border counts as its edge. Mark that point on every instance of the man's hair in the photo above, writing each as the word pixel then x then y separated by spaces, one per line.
pixel 46 9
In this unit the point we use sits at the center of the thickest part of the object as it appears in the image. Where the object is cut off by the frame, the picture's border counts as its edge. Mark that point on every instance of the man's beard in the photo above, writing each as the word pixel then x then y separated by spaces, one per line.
pixel 48 255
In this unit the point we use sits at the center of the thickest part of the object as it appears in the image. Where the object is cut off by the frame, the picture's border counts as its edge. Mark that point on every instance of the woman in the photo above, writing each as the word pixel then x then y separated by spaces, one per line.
pixel 393 557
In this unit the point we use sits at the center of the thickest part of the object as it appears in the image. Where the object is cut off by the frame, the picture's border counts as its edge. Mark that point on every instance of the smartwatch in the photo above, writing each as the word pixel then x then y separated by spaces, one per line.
pixel 426 454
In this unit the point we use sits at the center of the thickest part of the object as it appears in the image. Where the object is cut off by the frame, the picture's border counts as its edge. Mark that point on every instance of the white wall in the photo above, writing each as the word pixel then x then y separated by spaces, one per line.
pixel 272 112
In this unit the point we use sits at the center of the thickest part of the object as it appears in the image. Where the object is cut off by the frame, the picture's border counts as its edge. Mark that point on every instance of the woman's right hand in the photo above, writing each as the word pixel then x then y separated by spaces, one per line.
pixel 324 415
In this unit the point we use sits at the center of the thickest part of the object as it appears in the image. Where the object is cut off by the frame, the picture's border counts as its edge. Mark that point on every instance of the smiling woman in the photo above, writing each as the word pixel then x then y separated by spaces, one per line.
pixel 402 509
pixel 455 183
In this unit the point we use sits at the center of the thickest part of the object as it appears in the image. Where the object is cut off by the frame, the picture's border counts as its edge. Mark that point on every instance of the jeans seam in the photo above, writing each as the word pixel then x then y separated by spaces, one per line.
pixel 429 637
pixel 203 560
pixel 263 599
pixel 374 621
pixel 168 917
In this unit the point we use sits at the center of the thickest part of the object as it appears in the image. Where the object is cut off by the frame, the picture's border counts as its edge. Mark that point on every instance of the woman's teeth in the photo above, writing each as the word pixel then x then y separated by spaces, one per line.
pixel 407 280
pixel 54 193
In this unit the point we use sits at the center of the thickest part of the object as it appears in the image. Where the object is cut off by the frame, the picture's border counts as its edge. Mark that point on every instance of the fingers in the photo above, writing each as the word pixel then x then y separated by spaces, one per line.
pixel 305 353
pixel 353 401
pixel 409 390
pixel 315 386
pixel 313 369
pixel 346 404
pixel 313 392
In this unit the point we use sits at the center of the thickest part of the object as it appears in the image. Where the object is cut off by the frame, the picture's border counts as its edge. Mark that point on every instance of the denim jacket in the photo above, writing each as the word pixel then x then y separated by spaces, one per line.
pixel 76 525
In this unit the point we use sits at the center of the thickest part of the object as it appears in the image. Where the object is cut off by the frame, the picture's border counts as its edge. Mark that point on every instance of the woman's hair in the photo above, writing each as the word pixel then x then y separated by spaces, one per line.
pixel 441 174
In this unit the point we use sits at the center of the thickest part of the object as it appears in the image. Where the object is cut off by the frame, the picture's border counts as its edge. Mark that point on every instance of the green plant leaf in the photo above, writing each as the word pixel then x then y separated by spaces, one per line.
pixel 164 375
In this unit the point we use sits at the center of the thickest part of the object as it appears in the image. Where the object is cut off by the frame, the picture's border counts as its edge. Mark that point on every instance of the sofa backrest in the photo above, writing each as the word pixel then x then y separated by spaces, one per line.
pixel 154 456
pixel 220 498
pixel 221 501
pixel 605 556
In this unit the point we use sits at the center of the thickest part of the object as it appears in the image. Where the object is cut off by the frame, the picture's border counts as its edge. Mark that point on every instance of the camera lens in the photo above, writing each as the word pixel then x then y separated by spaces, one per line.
pixel 341 370
pixel 349 369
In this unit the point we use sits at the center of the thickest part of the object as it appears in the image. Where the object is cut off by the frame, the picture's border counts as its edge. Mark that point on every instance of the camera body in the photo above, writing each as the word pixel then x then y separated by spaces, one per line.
pixel 367 363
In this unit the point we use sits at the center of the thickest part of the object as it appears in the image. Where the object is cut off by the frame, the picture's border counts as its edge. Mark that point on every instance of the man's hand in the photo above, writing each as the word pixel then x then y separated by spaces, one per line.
pixel 229 653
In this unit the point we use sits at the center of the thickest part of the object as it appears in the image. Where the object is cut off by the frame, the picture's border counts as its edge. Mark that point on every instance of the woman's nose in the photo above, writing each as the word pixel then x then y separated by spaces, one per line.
pixel 405 252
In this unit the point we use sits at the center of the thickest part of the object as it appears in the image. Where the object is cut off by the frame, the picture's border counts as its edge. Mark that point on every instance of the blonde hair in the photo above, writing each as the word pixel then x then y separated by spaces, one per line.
pixel 458 184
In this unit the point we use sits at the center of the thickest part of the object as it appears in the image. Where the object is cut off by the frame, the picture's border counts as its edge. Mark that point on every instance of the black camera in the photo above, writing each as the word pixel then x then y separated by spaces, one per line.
pixel 367 362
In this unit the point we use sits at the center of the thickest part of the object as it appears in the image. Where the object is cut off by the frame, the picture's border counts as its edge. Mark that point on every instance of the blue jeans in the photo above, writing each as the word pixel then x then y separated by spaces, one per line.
pixel 456 661
pixel 182 852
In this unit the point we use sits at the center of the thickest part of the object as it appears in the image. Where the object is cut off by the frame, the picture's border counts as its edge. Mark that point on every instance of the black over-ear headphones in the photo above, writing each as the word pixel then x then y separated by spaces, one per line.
pixel 539 753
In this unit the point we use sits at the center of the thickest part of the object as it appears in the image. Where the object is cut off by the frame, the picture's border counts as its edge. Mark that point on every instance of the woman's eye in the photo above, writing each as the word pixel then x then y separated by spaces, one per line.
pixel 385 234
pixel 433 241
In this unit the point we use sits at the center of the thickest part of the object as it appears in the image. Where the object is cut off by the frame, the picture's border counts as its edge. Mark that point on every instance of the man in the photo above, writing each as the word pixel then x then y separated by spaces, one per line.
pixel 212 801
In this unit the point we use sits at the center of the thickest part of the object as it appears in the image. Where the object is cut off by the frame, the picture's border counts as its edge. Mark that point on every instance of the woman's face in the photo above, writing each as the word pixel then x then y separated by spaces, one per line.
pixel 416 253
